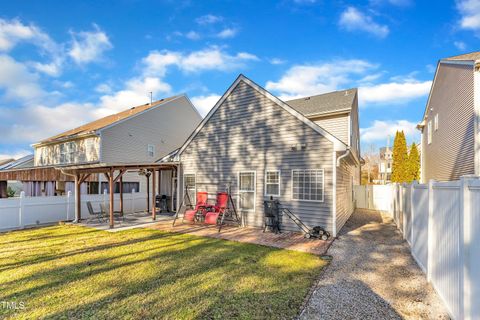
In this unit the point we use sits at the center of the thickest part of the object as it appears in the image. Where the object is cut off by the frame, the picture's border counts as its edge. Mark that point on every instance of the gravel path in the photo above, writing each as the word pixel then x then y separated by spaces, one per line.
pixel 372 276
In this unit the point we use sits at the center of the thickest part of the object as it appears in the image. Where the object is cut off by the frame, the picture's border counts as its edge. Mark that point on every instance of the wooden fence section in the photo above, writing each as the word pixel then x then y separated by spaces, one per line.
pixel 441 223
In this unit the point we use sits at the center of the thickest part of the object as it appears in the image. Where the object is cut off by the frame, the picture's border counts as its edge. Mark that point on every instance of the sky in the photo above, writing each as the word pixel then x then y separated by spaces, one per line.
pixel 64 63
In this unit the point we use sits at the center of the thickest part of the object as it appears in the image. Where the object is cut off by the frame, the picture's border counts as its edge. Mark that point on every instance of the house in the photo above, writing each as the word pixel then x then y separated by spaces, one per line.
pixel 450 146
pixel 304 152
pixel 141 134
pixel 385 164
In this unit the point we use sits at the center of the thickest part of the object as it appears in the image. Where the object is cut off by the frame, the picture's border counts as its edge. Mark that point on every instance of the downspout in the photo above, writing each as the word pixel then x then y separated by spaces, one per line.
pixel 346 154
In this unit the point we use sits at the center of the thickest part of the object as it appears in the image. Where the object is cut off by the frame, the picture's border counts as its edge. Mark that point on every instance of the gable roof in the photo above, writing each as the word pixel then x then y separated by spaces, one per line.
pixel 101 123
pixel 338 144
pixel 337 101
pixel 19 163
pixel 472 56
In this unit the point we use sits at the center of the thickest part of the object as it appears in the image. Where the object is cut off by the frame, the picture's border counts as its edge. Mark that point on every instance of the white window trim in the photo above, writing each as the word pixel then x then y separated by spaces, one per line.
pixel 254 191
pixel 323 186
pixel 435 122
pixel 194 200
pixel 279 183
pixel 429 132
pixel 152 146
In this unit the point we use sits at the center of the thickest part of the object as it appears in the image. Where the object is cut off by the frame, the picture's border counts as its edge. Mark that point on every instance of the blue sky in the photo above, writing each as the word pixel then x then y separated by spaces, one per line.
pixel 65 63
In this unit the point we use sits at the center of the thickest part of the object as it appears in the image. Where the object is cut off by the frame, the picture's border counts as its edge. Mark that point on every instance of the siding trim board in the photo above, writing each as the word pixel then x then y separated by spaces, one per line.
pixel 476 104
pixel 338 145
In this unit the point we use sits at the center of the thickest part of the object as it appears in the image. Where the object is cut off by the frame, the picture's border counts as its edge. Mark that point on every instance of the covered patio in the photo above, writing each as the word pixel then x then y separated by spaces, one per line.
pixel 113 174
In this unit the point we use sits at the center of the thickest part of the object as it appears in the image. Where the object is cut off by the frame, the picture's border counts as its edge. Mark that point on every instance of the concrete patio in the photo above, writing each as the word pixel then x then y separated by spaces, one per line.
pixel 129 221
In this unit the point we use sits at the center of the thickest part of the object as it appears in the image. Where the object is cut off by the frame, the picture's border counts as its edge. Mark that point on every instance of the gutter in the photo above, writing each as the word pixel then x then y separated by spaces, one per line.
pixel 346 154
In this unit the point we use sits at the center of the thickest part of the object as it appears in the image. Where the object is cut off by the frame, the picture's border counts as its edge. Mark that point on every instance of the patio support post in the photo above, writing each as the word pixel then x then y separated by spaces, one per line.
pixel 78 204
pixel 111 187
pixel 148 191
pixel 154 209
pixel 121 194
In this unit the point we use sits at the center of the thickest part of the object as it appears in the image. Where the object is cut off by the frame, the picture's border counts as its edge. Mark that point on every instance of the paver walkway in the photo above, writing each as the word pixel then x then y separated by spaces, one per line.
pixel 285 240
pixel 372 276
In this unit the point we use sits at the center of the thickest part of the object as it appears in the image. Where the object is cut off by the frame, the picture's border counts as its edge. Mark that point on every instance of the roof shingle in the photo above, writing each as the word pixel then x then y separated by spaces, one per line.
pixel 324 103
pixel 472 56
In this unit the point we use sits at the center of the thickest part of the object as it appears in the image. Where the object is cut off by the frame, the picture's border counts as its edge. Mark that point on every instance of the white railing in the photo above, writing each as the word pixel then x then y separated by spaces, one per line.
pixel 20 212
pixel 441 223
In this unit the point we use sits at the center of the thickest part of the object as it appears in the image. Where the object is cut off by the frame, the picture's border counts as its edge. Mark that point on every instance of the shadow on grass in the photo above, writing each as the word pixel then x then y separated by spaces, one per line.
pixel 161 275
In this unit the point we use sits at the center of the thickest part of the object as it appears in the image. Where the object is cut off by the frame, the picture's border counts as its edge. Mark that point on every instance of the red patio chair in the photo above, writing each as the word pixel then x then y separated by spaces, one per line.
pixel 215 212
pixel 199 207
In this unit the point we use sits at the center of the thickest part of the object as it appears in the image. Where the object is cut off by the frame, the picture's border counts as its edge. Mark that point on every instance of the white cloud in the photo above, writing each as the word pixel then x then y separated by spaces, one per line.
pixel 89 46
pixel 103 88
pixel 393 92
pixel 205 103
pixel 460 45
pixel 192 35
pixel 353 19
pixel 17 81
pixel 227 33
pixel 470 14
pixel 212 58
pixel 14 31
pixel 277 61
pixel 208 19
pixel 307 80
pixel 380 130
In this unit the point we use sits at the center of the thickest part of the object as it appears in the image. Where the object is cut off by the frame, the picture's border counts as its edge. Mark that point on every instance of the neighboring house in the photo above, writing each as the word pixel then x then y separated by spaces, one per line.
pixel 450 146
pixel 141 134
pixel 262 147
pixel 385 164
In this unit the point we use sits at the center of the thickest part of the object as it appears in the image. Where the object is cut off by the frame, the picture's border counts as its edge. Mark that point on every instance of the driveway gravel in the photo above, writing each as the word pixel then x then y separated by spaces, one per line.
pixel 372 276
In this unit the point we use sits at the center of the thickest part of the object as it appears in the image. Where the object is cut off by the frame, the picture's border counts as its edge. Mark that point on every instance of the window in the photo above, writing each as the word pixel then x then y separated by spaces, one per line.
pixel 246 190
pixel 189 182
pixel 429 132
pixel 151 150
pixel 63 154
pixel 272 183
pixel 71 148
pixel 435 123
pixel 307 185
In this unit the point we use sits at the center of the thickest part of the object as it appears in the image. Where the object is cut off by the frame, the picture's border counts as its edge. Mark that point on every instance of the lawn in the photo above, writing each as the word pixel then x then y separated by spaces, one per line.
pixel 79 273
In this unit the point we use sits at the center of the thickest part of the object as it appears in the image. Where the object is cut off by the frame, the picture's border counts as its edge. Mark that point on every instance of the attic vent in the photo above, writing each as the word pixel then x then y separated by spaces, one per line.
pixel 132 108
pixel 307 98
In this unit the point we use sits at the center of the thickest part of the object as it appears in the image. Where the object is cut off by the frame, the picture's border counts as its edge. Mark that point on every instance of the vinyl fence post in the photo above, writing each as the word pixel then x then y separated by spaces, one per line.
pixel 412 212
pixel 463 283
pixel 431 230
pixel 105 198
pixel 133 200
pixel 69 197
pixel 21 209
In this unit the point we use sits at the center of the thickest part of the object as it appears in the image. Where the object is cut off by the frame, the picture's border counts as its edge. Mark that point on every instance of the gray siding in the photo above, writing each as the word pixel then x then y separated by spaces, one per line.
pixel 336 125
pixel 166 127
pixel 345 173
pixel 451 153
pixel 250 132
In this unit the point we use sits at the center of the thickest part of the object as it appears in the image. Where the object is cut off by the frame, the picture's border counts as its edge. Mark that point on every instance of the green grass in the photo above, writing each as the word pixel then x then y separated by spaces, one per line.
pixel 72 272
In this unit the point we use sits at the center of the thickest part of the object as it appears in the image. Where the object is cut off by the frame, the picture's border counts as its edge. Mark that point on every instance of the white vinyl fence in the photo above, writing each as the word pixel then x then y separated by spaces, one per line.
pixel 441 223
pixel 20 212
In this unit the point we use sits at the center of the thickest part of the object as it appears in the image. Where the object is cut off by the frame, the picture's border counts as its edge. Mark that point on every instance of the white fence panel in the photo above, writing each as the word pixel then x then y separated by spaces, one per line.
pixel 445 244
pixel 29 211
pixel 472 253
pixel 441 222
pixel 420 225
pixel 39 210
pixel 9 213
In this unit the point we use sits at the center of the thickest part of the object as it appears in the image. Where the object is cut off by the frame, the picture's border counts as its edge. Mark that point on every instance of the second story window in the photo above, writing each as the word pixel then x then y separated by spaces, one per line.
pixel 151 150
pixel 63 153
pixel 435 122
